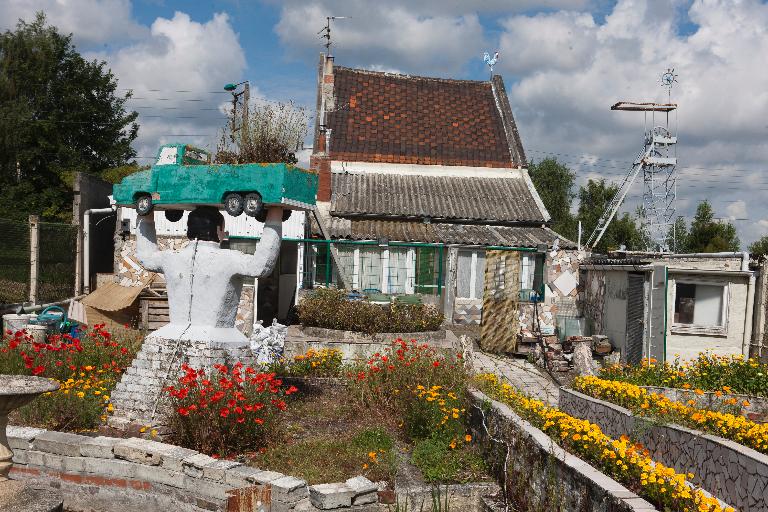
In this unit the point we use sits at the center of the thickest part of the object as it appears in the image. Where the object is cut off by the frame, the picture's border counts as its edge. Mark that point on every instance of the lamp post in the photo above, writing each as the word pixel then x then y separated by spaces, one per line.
pixel 246 94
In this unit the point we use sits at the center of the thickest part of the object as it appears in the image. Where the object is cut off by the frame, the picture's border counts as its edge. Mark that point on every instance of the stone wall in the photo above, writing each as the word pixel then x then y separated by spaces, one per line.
pixel 537 474
pixel 757 410
pixel 356 346
pixel 107 474
pixel 734 473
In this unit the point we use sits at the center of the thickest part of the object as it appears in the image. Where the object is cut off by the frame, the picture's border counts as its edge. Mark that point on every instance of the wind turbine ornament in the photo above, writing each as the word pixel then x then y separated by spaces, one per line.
pixel 490 60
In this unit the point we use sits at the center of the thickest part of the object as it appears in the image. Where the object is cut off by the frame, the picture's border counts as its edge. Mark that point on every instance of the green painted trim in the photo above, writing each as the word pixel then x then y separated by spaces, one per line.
pixel 390 244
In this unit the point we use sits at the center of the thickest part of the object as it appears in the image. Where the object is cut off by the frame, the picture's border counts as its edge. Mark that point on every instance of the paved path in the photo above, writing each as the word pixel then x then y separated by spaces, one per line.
pixel 526 377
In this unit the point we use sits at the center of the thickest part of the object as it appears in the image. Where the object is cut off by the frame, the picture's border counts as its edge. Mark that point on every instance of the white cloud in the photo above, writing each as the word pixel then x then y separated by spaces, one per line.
pixel 737 210
pixel 176 73
pixel 383 35
pixel 90 21
pixel 564 70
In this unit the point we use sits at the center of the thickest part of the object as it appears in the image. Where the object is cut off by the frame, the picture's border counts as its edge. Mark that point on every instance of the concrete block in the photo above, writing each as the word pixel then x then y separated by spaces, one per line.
pixel 36 458
pixel 193 465
pixel 361 485
pixel 110 467
pixel 330 496
pixel 153 453
pixel 60 443
pixel 289 489
pixel 20 456
pixel 160 475
pixel 21 437
pixel 266 477
pixel 99 447
pixel 216 471
pixel 207 488
pixel 241 476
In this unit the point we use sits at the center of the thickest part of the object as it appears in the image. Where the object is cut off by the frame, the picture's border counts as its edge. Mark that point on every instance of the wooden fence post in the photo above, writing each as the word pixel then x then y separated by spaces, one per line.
pixel 34 257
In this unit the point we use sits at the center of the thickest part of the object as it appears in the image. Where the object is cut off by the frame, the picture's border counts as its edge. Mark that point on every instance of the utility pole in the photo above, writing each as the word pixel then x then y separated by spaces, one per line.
pixel 244 126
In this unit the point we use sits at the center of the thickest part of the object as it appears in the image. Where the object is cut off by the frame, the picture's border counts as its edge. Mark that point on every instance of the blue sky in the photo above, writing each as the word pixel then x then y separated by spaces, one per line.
pixel 564 63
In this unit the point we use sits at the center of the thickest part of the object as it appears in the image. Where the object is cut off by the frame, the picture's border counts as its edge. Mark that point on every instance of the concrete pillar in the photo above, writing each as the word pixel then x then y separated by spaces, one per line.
pixel 34 257
pixel 449 291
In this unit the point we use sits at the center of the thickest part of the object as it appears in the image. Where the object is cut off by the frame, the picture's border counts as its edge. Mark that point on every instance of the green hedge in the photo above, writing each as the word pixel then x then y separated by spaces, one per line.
pixel 330 309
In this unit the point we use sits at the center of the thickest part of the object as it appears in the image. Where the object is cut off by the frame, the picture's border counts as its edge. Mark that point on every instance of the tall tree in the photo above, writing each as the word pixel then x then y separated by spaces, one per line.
pixel 623 230
pixel 677 236
pixel 708 235
pixel 554 183
pixel 59 113
pixel 759 248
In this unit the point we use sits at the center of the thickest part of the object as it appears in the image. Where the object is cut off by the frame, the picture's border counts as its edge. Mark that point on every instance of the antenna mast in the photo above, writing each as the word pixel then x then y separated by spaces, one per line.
pixel 325 32
pixel 657 162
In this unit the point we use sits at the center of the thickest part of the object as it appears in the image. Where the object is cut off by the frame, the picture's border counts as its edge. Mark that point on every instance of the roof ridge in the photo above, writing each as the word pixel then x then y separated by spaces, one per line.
pixel 412 77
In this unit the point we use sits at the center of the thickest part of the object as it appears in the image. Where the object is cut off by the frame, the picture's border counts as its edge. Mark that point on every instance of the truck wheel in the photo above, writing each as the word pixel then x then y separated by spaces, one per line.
pixel 174 215
pixel 253 204
pixel 287 214
pixel 233 204
pixel 143 204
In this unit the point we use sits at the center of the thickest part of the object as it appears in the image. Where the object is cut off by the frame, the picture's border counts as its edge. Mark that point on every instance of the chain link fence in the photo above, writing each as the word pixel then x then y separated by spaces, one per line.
pixel 58 259
pixel 14 261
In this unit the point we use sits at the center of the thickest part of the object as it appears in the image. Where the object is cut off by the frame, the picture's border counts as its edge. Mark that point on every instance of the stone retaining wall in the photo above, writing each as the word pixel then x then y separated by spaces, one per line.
pixel 757 410
pixel 356 345
pixel 733 472
pixel 539 474
pixel 107 474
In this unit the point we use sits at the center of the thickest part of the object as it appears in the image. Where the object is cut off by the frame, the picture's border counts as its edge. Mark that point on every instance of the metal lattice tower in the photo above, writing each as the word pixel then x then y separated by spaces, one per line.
pixel 657 163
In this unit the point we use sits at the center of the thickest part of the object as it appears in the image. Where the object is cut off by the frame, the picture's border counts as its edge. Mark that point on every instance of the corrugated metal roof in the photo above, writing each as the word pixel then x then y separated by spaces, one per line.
pixel 437 197
pixel 464 234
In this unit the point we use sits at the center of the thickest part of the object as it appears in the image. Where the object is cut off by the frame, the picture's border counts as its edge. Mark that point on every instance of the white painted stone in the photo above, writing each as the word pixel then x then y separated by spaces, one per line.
pixel 100 447
pixel 61 443
pixel 330 496
pixel 566 282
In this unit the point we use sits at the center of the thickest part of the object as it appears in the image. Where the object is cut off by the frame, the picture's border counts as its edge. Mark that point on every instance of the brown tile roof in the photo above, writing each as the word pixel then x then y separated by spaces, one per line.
pixel 497 200
pixel 383 117
pixel 441 233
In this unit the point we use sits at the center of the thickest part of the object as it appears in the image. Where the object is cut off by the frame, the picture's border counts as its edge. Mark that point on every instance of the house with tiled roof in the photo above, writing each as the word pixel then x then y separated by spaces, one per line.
pixel 420 181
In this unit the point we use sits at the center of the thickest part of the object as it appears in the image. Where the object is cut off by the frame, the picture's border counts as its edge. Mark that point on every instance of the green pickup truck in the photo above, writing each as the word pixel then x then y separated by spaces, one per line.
pixel 184 177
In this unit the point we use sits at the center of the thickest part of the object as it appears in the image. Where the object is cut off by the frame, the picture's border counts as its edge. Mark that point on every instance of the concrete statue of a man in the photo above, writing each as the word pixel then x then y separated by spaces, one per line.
pixel 204 282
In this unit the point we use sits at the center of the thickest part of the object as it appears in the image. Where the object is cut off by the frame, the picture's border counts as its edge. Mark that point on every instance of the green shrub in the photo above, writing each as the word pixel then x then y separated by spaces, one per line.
pixel 330 309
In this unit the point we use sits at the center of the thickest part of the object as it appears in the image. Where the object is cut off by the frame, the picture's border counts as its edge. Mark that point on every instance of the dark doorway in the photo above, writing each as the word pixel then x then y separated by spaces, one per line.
pixel 635 318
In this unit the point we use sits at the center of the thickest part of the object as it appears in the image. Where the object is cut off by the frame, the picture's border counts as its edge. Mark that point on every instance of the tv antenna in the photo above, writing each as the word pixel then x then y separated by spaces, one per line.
pixel 491 61
pixel 657 162
pixel 325 32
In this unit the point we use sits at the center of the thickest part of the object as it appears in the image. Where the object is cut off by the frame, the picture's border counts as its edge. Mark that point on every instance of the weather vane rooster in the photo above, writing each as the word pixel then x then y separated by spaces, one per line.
pixel 491 61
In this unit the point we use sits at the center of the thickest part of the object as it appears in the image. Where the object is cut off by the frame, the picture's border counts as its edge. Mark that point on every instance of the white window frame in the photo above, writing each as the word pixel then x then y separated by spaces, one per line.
pixel 705 330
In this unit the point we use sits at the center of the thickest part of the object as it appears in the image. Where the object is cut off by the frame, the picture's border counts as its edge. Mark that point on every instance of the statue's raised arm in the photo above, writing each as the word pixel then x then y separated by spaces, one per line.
pixel 263 260
pixel 146 244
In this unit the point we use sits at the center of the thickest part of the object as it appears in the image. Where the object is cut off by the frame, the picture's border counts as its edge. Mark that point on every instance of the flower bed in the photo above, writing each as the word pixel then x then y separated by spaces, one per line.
pixel 643 403
pixel 408 398
pixel 87 367
pixel 621 459
pixel 708 372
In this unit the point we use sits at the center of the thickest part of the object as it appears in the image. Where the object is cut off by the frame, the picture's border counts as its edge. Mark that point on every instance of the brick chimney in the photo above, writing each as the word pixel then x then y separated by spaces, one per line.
pixel 320 159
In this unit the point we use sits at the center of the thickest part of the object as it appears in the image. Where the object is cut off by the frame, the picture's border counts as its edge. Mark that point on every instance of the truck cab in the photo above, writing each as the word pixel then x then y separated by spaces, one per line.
pixel 182 154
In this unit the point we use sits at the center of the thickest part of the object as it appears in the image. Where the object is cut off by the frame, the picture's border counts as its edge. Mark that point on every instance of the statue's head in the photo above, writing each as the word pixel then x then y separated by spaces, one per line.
pixel 205 223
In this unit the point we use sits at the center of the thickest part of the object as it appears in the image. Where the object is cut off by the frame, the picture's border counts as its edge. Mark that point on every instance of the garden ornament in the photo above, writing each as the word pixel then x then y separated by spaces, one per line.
pixel 204 281
pixel 268 343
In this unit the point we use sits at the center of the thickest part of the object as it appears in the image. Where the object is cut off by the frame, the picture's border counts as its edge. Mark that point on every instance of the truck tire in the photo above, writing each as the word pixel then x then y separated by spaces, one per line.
pixel 174 215
pixel 233 204
pixel 253 204
pixel 143 204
